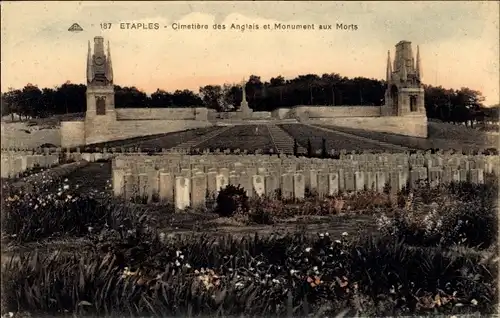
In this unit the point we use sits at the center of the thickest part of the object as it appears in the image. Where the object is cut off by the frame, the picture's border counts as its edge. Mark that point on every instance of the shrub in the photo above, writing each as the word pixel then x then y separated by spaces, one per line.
pixel 264 210
pixel 324 150
pixel 295 148
pixel 454 214
pixel 309 148
pixel 230 200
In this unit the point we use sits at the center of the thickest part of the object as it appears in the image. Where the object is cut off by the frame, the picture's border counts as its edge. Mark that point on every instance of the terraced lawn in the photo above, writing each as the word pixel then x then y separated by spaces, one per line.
pixel 303 133
pixel 437 138
pixel 249 137
pixel 168 140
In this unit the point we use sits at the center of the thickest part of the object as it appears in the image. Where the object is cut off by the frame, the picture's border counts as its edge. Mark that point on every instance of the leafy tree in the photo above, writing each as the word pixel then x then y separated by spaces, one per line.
pixel 160 99
pixel 10 102
pixel 212 97
pixel 186 98
pixel 463 106
pixel 130 97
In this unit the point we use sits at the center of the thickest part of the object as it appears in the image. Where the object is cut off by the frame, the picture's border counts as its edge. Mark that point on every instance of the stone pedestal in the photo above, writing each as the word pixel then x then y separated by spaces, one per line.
pixel 245 110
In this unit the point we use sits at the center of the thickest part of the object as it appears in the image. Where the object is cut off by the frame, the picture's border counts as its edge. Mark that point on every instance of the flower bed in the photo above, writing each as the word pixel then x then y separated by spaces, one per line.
pixel 136 272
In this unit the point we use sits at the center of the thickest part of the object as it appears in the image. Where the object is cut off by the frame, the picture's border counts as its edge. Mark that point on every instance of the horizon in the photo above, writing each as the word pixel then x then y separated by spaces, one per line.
pixel 170 60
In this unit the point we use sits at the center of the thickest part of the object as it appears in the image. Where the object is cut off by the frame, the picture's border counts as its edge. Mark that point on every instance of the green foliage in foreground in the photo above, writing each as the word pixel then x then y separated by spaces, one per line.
pixel 136 272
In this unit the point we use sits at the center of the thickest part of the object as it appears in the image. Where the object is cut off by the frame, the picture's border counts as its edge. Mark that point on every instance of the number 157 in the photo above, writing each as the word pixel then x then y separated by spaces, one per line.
pixel 106 25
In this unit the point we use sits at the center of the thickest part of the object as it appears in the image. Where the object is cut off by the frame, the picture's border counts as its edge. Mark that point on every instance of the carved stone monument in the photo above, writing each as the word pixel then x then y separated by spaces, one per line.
pixel 405 92
pixel 100 90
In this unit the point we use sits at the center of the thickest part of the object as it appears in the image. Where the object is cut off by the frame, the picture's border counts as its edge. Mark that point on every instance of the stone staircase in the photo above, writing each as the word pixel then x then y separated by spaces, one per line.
pixel 200 139
pixel 282 141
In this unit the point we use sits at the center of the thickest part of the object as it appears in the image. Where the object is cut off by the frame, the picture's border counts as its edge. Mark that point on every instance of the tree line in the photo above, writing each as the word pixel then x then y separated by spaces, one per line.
pixel 456 106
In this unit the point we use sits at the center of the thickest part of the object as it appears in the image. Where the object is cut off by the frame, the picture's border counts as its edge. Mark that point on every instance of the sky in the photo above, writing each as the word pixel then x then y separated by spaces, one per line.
pixel 459 43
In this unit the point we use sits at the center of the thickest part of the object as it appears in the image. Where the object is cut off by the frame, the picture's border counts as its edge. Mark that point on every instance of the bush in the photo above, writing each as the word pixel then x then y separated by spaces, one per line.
pixel 454 214
pixel 264 210
pixel 309 148
pixel 231 200
pixel 295 148
pixel 324 150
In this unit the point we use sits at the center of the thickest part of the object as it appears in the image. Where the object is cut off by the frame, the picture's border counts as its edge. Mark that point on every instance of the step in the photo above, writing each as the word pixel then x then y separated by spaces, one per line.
pixel 282 140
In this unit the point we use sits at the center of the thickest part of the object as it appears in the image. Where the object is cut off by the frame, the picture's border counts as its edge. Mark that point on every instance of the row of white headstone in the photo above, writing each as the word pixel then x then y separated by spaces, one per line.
pixel 187 183
pixel 14 164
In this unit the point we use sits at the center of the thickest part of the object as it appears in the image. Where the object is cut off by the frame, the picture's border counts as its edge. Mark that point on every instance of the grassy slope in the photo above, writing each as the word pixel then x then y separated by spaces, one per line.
pixel 439 137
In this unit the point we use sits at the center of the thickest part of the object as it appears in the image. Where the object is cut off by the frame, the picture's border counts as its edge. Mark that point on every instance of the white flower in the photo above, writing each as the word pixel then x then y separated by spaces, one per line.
pixel 344 234
pixel 338 241
pixel 308 249
pixel 293 271
pixel 66 187
pixel 473 302
pixel 187 265
pixel 177 263
pixel 315 268
pixel 178 253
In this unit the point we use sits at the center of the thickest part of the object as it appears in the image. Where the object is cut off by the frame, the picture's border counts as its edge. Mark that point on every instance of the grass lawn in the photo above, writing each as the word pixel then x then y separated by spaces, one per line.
pixel 438 138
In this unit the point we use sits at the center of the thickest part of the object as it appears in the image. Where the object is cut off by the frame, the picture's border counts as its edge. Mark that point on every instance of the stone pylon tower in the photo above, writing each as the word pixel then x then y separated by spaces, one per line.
pixel 100 91
pixel 405 93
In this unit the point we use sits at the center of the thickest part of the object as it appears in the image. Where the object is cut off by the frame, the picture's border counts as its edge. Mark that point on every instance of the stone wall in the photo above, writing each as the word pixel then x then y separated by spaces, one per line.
pixel 123 123
pixel 20 135
pixel 135 128
pixel 159 113
pixel 72 133
pixel 318 111
pixel 261 115
pixel 362 117
pixel 415 125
